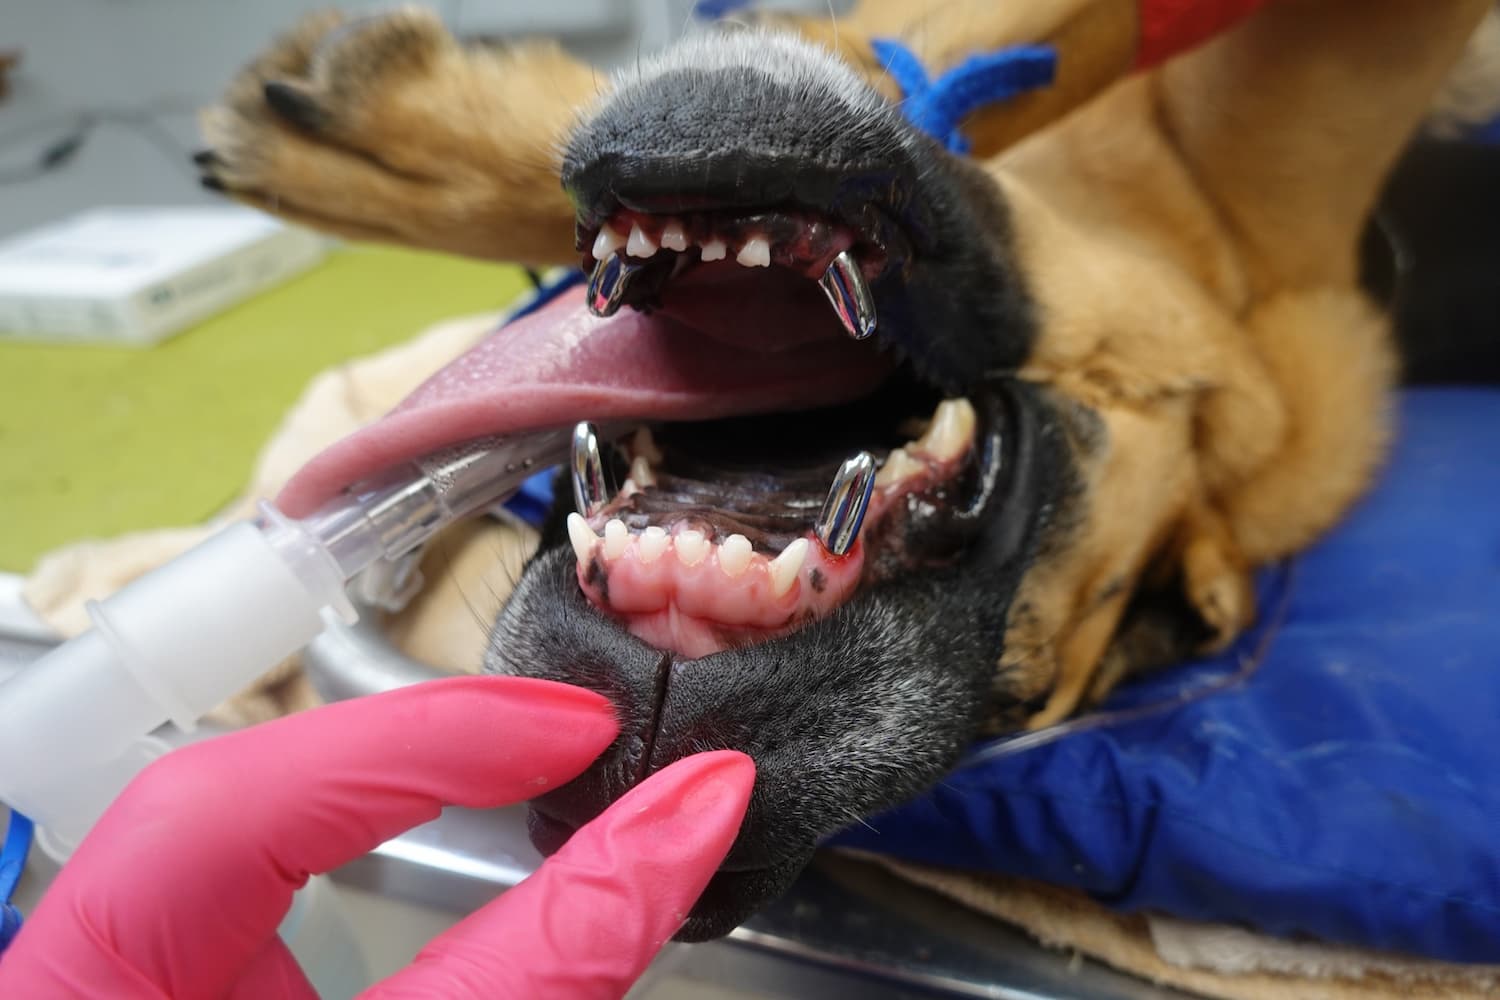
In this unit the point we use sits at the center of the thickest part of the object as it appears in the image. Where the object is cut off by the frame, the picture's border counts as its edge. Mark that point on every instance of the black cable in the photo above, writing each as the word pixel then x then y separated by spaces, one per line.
pixel 145 123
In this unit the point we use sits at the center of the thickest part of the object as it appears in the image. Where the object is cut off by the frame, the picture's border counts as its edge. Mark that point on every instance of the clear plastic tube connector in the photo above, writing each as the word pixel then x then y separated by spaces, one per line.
pixel 179 640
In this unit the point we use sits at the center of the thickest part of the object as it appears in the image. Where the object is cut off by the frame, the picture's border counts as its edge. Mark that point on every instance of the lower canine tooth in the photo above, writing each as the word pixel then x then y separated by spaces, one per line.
pixel 843 511
pixel 608 283
pixel 652 544
pixel 591 486
pixel 734 555
pixel 951 430
pixel 755 253
pixel 616 538
pixel 691 547
pixel 582 537
pixel 785 567
pixel 844 284
pixel 715 250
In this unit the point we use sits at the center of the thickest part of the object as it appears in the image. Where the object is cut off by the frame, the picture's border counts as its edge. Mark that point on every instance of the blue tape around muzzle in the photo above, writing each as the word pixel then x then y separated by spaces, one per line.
pixel 938 106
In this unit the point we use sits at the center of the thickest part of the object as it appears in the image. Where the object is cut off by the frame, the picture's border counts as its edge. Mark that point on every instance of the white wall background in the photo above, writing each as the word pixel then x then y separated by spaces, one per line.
pixel 167 57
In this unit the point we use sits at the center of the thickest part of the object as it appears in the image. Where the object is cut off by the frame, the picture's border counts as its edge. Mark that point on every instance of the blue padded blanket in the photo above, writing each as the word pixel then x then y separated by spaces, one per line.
pixel 1347 789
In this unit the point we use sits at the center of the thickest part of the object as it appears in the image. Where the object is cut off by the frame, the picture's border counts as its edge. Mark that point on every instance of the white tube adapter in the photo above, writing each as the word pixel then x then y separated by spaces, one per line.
pixel 169 647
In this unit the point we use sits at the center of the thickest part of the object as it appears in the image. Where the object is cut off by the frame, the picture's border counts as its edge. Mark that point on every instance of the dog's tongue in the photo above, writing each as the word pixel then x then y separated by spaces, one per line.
pixel 561 365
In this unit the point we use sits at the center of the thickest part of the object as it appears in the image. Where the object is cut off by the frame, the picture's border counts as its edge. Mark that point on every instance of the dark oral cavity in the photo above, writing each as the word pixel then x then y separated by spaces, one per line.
pixel 762 555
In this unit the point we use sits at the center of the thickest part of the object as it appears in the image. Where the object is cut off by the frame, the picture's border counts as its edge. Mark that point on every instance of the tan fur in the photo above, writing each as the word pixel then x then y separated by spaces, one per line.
pixel 1188 237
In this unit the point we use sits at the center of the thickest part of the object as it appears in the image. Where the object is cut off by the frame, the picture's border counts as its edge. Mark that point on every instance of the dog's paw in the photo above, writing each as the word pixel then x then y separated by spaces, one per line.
pixel 385 128
pixel 1217 585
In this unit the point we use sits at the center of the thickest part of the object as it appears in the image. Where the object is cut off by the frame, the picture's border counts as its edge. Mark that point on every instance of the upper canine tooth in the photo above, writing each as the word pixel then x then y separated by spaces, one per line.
pixel 715 249
pixel 673 237
pixel 785 567
pixel 639 245
pixel 607 242
pixel 898 465
pixel 951 430
pixel 608 283
pixel 843 513
pixel 734 555
pixel 755 253
pixel 582 537
pixel 640 472
pixel 591 485
pixel 652 544
pixel 644 444
pixel 616 538
pixel 691 547
pixel 844 284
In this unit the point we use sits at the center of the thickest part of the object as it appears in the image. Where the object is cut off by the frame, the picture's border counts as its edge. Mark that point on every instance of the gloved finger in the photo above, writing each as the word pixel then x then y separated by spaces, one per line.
pixel 188 874
pixel 588 922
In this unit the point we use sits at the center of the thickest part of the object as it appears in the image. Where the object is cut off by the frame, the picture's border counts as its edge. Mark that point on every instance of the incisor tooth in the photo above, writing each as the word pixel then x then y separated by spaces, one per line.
pixel 734 555
pixel 652 544
pixel 582 537
pixel 715 250
pixel 785 567
pixel 607 242
pixel 691 547
pixel 639 245
pixel 616 538
pixel 640 471
pixel 898 465
pixel 951 430
pixel 755 253
pixel 672 236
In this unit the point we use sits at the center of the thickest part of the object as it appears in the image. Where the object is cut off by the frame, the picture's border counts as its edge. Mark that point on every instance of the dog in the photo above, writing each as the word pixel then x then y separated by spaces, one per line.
pixel 1078 384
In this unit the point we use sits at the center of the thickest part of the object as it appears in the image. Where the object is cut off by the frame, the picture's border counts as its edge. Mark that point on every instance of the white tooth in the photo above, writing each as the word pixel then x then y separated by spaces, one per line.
pixel 691 547
pixel 640 244
pixel 582 537
pixel 640 471
pixel 672 236
pixel 616 538
pixel 715 250
pixel 951 430
pixel 652 544
pixel 755 253
pixel 734 555
pixel 898 465
pixel 644 444
pixel 607 242
pixel 785 567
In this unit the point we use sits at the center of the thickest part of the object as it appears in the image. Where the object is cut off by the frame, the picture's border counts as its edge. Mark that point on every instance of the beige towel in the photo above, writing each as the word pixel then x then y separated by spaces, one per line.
pixel 1207 959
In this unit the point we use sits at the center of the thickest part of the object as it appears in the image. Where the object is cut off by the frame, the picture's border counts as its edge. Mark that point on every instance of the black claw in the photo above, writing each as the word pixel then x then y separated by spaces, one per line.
pixel 212 183
pixel 206 158
pixel 295 105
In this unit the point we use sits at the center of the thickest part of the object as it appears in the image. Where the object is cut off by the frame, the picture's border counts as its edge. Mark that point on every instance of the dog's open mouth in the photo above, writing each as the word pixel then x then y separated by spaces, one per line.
pixel 724 533
pixel 786 458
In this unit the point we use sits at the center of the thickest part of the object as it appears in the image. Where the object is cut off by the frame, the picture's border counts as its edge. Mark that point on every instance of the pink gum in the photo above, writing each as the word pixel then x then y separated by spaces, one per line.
pixel 705 591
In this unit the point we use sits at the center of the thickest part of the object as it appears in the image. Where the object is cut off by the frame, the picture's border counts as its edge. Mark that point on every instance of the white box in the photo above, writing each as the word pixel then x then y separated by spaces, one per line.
pixel 136 275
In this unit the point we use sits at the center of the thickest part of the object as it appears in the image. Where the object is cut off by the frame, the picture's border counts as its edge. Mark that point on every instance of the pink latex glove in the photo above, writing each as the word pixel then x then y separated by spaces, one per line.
pixel 179 889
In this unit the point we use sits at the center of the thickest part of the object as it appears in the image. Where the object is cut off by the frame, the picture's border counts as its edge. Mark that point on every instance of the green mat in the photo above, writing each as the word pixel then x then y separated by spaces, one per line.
pixel 96 441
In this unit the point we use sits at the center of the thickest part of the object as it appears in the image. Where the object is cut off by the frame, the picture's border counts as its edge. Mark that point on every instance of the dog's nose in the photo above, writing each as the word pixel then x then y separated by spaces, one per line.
pixel 734 122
